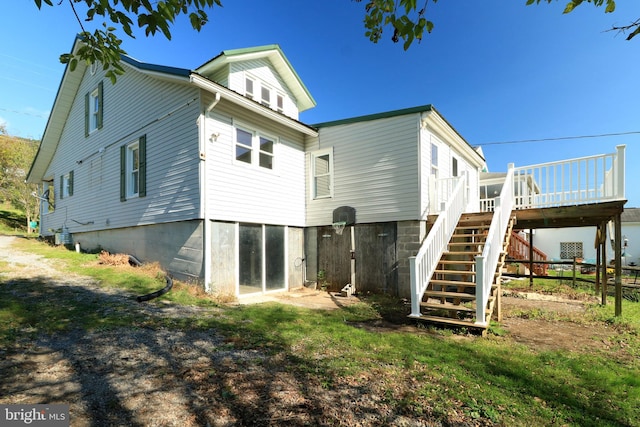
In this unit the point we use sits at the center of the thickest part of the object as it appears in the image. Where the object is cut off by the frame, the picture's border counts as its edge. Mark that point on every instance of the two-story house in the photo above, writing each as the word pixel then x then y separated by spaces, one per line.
pixel 211 173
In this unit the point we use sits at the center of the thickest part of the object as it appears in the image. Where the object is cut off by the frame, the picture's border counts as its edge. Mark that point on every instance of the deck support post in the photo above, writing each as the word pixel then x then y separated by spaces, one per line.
pixel 604 266
pixel 618 264
pixel 531 258
pixel 598 256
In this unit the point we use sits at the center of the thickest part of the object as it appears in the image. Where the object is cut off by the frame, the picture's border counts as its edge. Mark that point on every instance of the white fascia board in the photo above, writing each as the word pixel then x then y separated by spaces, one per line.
pixel 254 107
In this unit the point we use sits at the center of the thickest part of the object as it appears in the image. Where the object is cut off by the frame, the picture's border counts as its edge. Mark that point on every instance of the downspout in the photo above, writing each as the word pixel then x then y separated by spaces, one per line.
pixel 205 213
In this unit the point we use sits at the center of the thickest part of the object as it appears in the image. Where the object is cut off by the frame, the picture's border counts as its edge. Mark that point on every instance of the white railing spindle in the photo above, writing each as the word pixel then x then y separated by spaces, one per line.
pixel 487 263
pixel 591 179
pixel 422 266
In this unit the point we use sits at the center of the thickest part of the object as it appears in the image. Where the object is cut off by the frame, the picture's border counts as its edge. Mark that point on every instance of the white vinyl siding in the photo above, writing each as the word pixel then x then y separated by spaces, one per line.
pixel 259 195
pixel 268 88
pixel 375 170
pixel 448 159
pixel 137 104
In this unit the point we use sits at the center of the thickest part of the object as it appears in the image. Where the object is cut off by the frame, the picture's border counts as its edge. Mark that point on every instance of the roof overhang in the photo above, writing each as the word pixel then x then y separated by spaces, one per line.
pixel 433 121
pixel 57 118
pixel 250 105
pixel 67 93
pixel 281 64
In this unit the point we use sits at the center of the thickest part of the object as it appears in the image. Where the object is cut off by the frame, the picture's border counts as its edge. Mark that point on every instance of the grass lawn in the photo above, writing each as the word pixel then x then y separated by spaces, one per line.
pixel 439 374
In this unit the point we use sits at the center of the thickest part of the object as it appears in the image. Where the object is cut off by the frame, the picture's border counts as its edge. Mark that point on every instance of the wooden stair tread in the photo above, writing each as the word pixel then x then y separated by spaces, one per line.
pixel 473 227
pixel 462 253
pixel 466 243
pixel 449 307
pixel 453 283
pixel 448 321
pixel 455 261
pixel 468 272
pixel 443 294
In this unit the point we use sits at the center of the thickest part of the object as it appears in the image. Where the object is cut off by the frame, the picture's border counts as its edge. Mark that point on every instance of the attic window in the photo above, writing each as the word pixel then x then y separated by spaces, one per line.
pixel 248 87
pixel 280 103
pixel 266 96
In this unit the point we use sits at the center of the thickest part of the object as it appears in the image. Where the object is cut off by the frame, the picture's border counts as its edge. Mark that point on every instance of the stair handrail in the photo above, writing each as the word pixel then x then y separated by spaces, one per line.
pixel 487 262
pixel 423 265
pixel 519 250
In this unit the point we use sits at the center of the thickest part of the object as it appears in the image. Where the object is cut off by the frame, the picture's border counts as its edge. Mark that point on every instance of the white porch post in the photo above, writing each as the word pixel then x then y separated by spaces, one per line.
pixel 480 273
pixel 620 171
pixel 415 298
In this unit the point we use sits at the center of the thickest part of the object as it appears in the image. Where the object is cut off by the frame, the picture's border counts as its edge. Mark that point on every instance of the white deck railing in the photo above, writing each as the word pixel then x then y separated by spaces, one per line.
pixel 592 179
pixel 487 263
pixel 425 262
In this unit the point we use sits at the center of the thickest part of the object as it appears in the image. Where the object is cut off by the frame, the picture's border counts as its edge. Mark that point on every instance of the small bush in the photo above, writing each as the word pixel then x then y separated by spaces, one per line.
pixel 105 258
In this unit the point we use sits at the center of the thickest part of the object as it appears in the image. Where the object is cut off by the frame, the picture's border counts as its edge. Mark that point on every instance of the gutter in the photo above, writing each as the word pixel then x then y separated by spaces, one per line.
pixel 225 93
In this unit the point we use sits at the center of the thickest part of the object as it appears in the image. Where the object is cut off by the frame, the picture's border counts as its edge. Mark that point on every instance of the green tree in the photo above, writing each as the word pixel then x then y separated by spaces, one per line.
pixel 16 155
pixel 103 46
pixel 407 20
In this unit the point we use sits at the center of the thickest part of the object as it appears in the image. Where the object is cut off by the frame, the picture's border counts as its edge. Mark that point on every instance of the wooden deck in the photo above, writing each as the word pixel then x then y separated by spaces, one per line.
pixel 586 215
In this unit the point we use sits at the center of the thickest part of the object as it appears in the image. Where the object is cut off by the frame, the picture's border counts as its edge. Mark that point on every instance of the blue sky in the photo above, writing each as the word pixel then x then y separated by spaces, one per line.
pixel 497 70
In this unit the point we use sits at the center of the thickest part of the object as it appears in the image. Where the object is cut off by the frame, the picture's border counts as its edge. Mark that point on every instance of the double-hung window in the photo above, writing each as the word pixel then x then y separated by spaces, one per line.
pixel 66 185
pixel 93 110
pixel 322 174
pixel 254 148
pixel 133 169
pixel 434 160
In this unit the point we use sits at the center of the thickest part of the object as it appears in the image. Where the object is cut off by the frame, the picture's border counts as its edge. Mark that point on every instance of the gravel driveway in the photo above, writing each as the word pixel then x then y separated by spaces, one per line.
pixel 145 375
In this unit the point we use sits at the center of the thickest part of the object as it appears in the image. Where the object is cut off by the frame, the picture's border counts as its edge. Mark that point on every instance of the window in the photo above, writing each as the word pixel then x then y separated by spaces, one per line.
pixel 248 87
pixel 454 166
pixel 66 185
pixel 570 250
pixel 133 169
pixel 254 148
pixel 244 145
pixel 263 93
pixel 93 106
pixel 49 196
pixel 279 103
pixel 266 96
pixel 266 153
pixel 434 160
pixel 322 173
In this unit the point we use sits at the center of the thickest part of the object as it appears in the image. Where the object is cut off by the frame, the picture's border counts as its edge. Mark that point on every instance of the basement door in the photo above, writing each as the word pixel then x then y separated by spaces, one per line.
pixel 261 258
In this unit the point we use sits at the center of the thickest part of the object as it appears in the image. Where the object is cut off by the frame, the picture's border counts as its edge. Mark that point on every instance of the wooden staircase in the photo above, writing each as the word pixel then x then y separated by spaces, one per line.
pixel 451 294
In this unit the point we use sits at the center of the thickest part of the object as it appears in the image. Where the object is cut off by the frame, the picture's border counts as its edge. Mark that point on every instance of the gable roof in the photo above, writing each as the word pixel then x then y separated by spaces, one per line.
pixel 274 54
pixel 65 96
